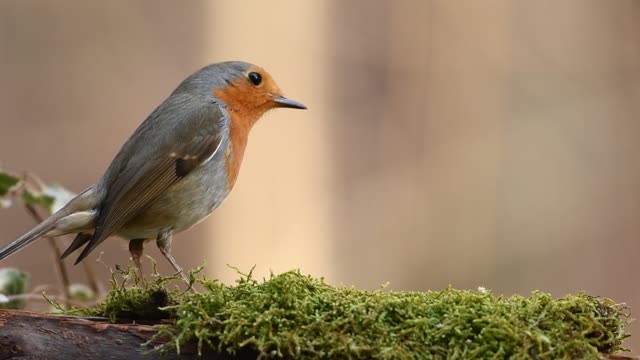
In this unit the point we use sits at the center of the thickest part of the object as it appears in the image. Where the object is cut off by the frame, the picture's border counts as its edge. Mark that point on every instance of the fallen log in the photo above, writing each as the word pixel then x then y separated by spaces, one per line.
pixel 293 316
pixel 29 335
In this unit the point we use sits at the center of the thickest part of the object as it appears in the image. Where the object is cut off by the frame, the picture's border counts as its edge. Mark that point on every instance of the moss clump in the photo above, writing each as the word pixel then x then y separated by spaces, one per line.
pixel 295 316
pixel 133 299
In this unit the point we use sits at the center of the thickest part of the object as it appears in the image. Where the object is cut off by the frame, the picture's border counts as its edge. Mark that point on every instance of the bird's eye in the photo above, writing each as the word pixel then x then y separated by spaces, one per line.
pixel 255 78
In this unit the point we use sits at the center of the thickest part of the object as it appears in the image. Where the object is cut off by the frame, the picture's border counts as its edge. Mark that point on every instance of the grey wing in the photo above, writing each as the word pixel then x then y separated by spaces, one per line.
pixel 172 154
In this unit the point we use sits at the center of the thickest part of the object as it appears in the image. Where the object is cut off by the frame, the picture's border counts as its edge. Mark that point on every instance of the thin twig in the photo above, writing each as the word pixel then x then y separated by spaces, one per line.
pixel 39 297
pixel 62 269
pixel 91 278
pixel 30 179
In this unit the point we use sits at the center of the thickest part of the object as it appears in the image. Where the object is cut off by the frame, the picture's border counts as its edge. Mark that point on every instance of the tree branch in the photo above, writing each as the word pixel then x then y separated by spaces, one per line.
pixel 28 335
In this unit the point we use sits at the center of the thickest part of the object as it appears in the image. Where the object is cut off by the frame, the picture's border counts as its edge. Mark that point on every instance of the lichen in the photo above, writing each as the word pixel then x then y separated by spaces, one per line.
pixel 292 315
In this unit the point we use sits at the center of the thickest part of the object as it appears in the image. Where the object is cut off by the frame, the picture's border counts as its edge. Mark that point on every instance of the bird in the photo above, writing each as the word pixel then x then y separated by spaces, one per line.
pixel 176 168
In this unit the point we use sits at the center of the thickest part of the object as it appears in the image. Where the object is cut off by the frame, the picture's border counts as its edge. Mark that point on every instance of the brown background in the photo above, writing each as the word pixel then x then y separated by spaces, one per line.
pixel 467 143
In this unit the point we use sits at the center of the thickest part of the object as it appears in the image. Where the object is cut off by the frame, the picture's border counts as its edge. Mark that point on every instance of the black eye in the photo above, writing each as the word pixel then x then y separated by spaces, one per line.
pixel 255 78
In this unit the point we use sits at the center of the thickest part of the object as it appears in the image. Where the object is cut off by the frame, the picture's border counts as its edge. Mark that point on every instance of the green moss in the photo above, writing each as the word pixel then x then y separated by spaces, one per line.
pixel 134 299
pixel 296 316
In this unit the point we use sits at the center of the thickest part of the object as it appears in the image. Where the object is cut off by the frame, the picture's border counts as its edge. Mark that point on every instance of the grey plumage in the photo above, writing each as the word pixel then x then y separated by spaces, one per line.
pixel 169 175
pixel 190 109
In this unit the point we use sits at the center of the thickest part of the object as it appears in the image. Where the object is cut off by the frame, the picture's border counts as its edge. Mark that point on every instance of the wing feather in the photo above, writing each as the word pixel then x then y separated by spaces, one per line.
pixel 139 183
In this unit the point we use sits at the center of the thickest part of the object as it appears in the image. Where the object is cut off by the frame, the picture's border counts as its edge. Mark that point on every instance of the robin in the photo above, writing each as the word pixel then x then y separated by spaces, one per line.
pixel 176 168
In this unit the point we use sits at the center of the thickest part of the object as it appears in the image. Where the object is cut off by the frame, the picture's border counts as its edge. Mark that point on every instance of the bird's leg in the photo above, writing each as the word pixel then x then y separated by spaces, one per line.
pixel 135 248
pixel 164 244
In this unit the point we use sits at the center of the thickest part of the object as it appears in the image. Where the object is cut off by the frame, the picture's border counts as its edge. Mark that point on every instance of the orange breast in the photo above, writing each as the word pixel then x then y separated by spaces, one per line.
pixel 238 135
pixel 245 105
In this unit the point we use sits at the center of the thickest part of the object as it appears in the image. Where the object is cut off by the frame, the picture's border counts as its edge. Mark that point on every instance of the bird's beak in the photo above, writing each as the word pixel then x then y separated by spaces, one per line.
pixel 284 102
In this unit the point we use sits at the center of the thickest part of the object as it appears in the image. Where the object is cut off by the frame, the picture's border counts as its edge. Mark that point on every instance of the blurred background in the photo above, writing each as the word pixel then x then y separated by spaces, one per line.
pixel 456 143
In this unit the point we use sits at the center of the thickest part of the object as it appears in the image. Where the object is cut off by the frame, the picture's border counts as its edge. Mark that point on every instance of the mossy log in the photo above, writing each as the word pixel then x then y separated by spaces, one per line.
pixel 293 316
pixel 28 335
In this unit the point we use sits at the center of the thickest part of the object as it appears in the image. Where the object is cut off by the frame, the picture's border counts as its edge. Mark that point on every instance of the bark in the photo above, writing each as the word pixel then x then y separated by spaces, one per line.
pixel 28 335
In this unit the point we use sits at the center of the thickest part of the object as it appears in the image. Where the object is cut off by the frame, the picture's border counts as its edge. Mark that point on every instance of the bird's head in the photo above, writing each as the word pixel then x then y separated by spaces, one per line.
pixel 244 88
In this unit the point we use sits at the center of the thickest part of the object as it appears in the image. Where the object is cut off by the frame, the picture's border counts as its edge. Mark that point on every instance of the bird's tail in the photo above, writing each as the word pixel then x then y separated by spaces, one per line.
pixel 73 217
pixel 32 235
